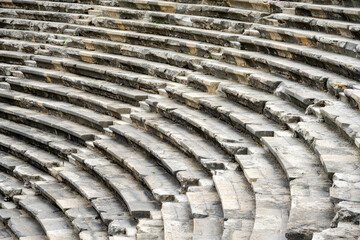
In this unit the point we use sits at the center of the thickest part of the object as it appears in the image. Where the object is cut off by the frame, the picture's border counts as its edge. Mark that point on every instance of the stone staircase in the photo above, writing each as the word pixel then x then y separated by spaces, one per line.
pixel 179 119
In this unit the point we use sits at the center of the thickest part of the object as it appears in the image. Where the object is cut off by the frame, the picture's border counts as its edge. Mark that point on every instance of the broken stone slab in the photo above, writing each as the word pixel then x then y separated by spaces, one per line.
pixel 204 204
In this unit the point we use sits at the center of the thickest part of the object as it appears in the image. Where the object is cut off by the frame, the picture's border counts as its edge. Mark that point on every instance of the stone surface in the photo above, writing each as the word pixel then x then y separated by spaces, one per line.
pixel 191 119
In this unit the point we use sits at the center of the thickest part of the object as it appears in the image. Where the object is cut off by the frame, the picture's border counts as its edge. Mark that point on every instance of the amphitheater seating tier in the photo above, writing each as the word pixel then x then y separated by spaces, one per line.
pixel 179 119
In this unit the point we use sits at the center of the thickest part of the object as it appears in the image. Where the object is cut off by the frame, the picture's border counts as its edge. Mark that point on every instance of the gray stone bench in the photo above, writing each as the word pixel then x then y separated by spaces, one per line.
pixel 48 123
pixel 84 99
pixel 51 219
pixel 80 19
pixel 188 177
pixel 91 163
pixel 199 9
pixel 329 12
pixel 346 66
pixel 20 225
pixel 345 119
pixel 326 62
pixel 60 109
pixel 215 130
pixel 163 186
pixel 47 6
pixel 238 216
pixel 147 170
pixel 58 194
pixel 102 89
pixel 172 159
pixel 327 42
pixel 330 146
pixel 272 195
pixel 41 159
pixel 98 195
pixel 14 57
pixel 334 80
pixel 208 155
pixel 345 3
pixel 341 28
pixel 238 204
pixel 311 209
pixel 55 144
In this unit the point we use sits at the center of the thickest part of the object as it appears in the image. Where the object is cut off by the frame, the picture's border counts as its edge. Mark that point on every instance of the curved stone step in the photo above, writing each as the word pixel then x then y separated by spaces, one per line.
pixel 328 12
pixel 21 225
pixel 111 78
pixel 345 119
pixel 198 9
pixel 55 6
pixel 150 173
pixel 100 166
pixel 57 145
pixel 102 199
pixel 237 203
pixel 220 133
pixel 328 42
pixel 206 154
pixel 46 15
pixel 311 209
pixel 333 81
pixel 5 233
pixel 328 160
pixel 110 88
pixel 187 171
pixel 269 203
pixel 205 10
pixel 47 123
pixel 78 179
pixel 332 62
pixel 67 111
pixel 210 36
pixel 299 99
pixel 14 57
pixel 272 195
pixel 52 220
pixel 330 148
pixel 189 174
pixel 239 214
pixel 204 213
pixel 58 194
pixel 162 185
pixel 67 94
pixel 341 28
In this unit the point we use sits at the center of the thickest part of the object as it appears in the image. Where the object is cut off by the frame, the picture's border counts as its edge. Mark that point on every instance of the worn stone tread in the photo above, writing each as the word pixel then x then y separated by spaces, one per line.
pixel 74 96
pixel 68 111
pixel 240 81
pixel 50 218
pixel 308 182
pixel 238 204
pixel 21 225
pixel 342 28
pixel 48 123
pixel 272 195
